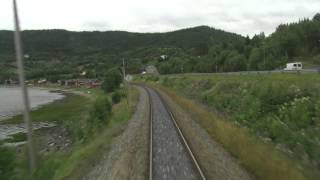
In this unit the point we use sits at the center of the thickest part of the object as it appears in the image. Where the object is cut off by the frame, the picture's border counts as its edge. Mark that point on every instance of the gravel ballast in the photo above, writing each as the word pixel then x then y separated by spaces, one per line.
pixel 170 158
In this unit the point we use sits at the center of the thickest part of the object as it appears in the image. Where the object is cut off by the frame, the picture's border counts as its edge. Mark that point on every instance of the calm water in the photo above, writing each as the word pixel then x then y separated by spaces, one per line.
pixel 11 100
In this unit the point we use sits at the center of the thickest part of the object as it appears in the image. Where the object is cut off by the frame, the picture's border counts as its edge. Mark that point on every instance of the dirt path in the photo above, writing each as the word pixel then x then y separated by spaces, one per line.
pixel 128 157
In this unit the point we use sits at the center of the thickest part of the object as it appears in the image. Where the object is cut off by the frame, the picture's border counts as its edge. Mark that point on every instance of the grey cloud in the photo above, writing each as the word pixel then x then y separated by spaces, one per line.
pixel 243 17
pixel 97 25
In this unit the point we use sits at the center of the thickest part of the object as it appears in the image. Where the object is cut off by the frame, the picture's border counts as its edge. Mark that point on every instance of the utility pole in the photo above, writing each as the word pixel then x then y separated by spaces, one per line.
pixel 123 70
pixel 125 83
pixel 26 102
pixel 182 68
pixel 264 56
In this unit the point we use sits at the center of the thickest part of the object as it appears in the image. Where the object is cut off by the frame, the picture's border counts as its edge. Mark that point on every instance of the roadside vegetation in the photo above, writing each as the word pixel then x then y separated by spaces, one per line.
pixel 269 122
pixel 91 121
pixel 7 157
pixel 86 156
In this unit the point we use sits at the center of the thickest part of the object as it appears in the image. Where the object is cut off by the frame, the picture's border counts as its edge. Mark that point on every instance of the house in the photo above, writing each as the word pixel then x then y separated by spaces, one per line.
pixel 89 83
pixel 42 81
pixel 151 69
pixel 164 57
pixel 11 82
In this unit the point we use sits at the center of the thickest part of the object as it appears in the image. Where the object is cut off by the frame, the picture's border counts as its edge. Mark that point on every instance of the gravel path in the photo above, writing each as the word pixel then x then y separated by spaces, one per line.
pixel 170 159
pixel 128 157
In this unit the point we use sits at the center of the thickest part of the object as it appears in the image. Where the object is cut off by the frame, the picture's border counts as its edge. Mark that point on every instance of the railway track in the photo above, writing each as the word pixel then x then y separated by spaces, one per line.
pixel 170 156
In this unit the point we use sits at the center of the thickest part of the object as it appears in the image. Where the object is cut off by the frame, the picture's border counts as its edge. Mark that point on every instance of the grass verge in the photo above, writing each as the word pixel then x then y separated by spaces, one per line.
pixel 278 110
pixel 83 158
pixel 258 157
pixel 89 140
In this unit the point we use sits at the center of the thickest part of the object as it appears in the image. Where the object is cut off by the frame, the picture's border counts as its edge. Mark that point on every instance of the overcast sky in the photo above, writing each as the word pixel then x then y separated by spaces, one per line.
pixel 239 16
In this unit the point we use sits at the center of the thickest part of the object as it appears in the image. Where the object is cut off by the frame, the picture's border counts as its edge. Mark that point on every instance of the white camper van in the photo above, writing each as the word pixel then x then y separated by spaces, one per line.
pixel 293 66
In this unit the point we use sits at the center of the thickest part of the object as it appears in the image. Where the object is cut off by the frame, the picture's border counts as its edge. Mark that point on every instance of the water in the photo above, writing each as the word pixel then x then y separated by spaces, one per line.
pixel 11 104
pixel 11 100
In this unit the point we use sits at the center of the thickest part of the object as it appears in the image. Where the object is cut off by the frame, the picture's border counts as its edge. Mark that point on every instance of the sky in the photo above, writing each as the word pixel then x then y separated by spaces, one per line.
pixel 246 17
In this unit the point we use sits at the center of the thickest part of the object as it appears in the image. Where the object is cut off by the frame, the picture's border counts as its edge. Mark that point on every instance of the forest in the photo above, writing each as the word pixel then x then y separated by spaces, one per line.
pixel 62 54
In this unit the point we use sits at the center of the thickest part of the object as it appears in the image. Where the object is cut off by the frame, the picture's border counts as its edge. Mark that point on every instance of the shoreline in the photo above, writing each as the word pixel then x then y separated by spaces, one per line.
pixel 52 96
pixel 12 125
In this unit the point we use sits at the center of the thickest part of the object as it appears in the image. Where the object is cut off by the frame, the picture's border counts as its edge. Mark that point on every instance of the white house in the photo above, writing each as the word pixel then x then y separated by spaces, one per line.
pixel 164 57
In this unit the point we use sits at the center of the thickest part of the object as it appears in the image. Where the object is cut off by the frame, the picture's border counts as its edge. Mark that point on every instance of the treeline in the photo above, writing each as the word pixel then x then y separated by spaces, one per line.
pixel 61 54
pixel 60 43
pixel 290 42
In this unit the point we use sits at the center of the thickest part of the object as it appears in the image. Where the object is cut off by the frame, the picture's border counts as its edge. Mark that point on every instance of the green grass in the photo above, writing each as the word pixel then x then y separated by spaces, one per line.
pixel 85 157
pixel 71 112
pixel 85 152
pixel 7 157
pixel 89 141
pixel 66 109
pixel 19 137
pixel 248 109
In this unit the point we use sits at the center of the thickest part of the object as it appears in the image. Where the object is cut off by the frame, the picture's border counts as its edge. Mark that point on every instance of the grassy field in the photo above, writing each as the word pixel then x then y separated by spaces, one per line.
pixel 78 113
pixel 269 122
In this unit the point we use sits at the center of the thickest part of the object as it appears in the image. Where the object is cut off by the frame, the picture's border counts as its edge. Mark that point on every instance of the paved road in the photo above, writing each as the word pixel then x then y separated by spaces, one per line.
pixel 304 71
pixel 170 159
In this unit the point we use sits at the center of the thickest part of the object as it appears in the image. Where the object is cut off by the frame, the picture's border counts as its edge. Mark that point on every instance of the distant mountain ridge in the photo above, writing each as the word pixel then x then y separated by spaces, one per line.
pixel 62 54
pixel 63 42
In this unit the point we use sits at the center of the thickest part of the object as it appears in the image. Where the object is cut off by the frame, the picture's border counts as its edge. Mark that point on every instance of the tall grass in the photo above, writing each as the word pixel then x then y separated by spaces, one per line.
pixel 90 124
pixel 258 157
pixel 270 122
pixel 86 156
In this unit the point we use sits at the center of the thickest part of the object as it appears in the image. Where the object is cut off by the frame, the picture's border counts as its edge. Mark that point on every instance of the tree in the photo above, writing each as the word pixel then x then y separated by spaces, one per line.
pixel 100 112
pixel 235 62
pixel 111 81
pixel 256 56
pixel 316 17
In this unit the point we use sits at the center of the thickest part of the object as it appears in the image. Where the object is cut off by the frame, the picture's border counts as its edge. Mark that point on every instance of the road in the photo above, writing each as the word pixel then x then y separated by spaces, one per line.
pixel 304 71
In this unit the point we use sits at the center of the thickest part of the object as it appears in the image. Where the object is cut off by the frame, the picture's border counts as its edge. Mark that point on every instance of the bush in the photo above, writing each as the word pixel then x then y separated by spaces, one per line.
pixel 111 81
pixel 116 97
pixel 7 157
pixel 100 112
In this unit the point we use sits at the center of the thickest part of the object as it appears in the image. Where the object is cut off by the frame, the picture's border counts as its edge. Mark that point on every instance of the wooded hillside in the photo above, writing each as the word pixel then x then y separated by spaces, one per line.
pixel 61 54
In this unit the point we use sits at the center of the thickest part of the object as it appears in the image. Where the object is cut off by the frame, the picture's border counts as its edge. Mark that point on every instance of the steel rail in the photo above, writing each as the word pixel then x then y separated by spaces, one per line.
pixel 182 138
pixel 184 141
pixel 150 133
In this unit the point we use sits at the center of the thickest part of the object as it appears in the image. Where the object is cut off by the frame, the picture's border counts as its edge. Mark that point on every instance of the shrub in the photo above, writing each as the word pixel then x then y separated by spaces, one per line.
pixel 116 97
pixel 7 157
pixel 111 81
pixel 100 112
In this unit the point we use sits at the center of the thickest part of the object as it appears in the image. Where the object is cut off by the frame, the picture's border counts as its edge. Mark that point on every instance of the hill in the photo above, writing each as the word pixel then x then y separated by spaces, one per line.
pixel 299 41
pixel 94 51
pixel 61 54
